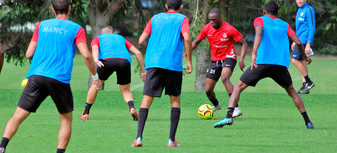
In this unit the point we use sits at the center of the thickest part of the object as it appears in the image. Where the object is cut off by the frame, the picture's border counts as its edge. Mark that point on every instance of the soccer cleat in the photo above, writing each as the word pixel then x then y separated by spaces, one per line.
pixel 85 116
pixel 302 91
pixel 225 121
pixel 237 112
pixel 173 143
pixel 218 107
pixel 134 114
pixel 310 125
pixel 2 150
pixel 308 86
pixel 137 142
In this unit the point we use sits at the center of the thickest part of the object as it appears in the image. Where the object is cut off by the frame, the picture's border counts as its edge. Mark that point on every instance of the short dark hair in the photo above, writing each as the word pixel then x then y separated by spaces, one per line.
pixel 174 4
pixel 60 6
pixel 215 10
pixel 271 7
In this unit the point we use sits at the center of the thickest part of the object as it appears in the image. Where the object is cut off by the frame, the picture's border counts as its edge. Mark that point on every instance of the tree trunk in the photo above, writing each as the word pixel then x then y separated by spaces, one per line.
pixel 1 57
pixel 203 58
pixel 223 5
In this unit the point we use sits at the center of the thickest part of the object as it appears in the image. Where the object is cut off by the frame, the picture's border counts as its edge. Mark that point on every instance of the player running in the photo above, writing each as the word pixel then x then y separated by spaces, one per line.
pixel 270 58
pixel 111 52
pixel 167 33
pixel 52 49
pixel 221 36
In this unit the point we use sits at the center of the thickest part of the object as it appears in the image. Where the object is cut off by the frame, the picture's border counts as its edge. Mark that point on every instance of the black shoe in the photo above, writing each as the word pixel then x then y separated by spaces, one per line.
pixel 310 125
pixel 300 91
pixel 307 87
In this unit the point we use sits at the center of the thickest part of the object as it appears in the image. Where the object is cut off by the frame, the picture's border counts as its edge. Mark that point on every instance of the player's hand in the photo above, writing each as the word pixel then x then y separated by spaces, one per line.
pixel 254 64
pixel 308 60
pixel 97 84
pixel 307 49
pixel 293 46
pixel 242 65
pixel 184 55
pixel 143 75
pixel 189 68
pixel 100 64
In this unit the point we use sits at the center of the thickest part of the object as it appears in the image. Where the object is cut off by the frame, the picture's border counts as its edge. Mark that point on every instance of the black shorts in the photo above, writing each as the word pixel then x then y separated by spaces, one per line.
pixel 37 90
pixel 279 74
pixel 121 66
pixel 157 79
pixel 215 67
pixel 297 54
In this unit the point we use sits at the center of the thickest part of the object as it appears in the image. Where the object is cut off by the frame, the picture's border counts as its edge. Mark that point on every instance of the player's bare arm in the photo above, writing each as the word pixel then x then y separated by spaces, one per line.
pixel 258 39
pixel 188 47
pixel 243 43
pixel 300 47
pixel 89 61
pixel 31 49
pixel 140 61
pixel 195 44
pixel 143 39
pixel 95 52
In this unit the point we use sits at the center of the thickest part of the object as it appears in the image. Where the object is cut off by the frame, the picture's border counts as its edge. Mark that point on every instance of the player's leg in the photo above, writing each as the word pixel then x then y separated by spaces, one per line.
pixel 12 126
pixel 300 106
pixel 64 132
pixel 212 76
pixel 128 98
pixel 308 84
pixel 91 97
pixel 175 117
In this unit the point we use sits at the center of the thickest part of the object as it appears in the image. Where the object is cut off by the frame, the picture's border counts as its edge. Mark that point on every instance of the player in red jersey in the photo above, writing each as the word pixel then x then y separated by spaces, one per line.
pixel 221 36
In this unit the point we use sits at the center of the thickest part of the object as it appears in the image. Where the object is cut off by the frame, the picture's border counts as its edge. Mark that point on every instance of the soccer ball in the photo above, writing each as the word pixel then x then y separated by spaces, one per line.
pixel 206 111
pixel 24 83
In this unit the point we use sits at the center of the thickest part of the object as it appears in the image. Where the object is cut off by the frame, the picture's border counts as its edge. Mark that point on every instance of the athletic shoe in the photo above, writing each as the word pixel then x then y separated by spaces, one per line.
pixel 225 121
pixel 173 143
pixel 310 125
pixel 218 107
pixel 134 114
pixel 302 91
pixel 2 150
pixel 308 86
pixel 237 112
pixel 85 116
pixel 137 142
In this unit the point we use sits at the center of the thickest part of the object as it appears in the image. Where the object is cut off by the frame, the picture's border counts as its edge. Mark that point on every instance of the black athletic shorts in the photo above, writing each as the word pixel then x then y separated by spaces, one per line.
pixel 37 90
pixel 121 66
pixel 297 54
pixel 279 74
pixel 157 79
pixel 215 67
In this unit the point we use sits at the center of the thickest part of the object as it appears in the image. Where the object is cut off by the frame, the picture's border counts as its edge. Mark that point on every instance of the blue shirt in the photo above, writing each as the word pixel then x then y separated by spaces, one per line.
pixel 165 46
pixel 305 23
pixel 274 46
pixel 55 50
pixel 113 45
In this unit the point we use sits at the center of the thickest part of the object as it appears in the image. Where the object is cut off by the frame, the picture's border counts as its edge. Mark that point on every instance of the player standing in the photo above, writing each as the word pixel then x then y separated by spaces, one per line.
pixel 111 53
pixel 167 33
pixel 221 36
pixel 305 29
pixel 270 58
pixel 52 50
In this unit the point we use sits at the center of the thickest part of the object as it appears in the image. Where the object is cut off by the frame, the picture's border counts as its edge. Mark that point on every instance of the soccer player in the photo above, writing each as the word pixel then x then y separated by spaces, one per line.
pixel 167 33
pixel 270 58
pixel 111 53
pixel 52 49
pixel 221 36
pixel 305 29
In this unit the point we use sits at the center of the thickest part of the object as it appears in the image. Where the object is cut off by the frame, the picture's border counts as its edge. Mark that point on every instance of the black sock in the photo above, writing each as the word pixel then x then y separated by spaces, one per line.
pixel 305 117
pixel 60 150
pixel 230 111
pixel 237 105
pixel 215 102
pixel 143 112
pixel 131 104
pixel 4 142
pixel 87 108
pixel 175 116
pixel 307 79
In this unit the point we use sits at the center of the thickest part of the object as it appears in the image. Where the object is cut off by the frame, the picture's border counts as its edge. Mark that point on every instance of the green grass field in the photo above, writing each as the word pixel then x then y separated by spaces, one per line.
pixel 270 121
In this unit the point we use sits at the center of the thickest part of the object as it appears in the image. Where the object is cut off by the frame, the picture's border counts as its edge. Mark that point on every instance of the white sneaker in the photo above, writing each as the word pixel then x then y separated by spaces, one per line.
pixel 237 112
pixel 215 108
